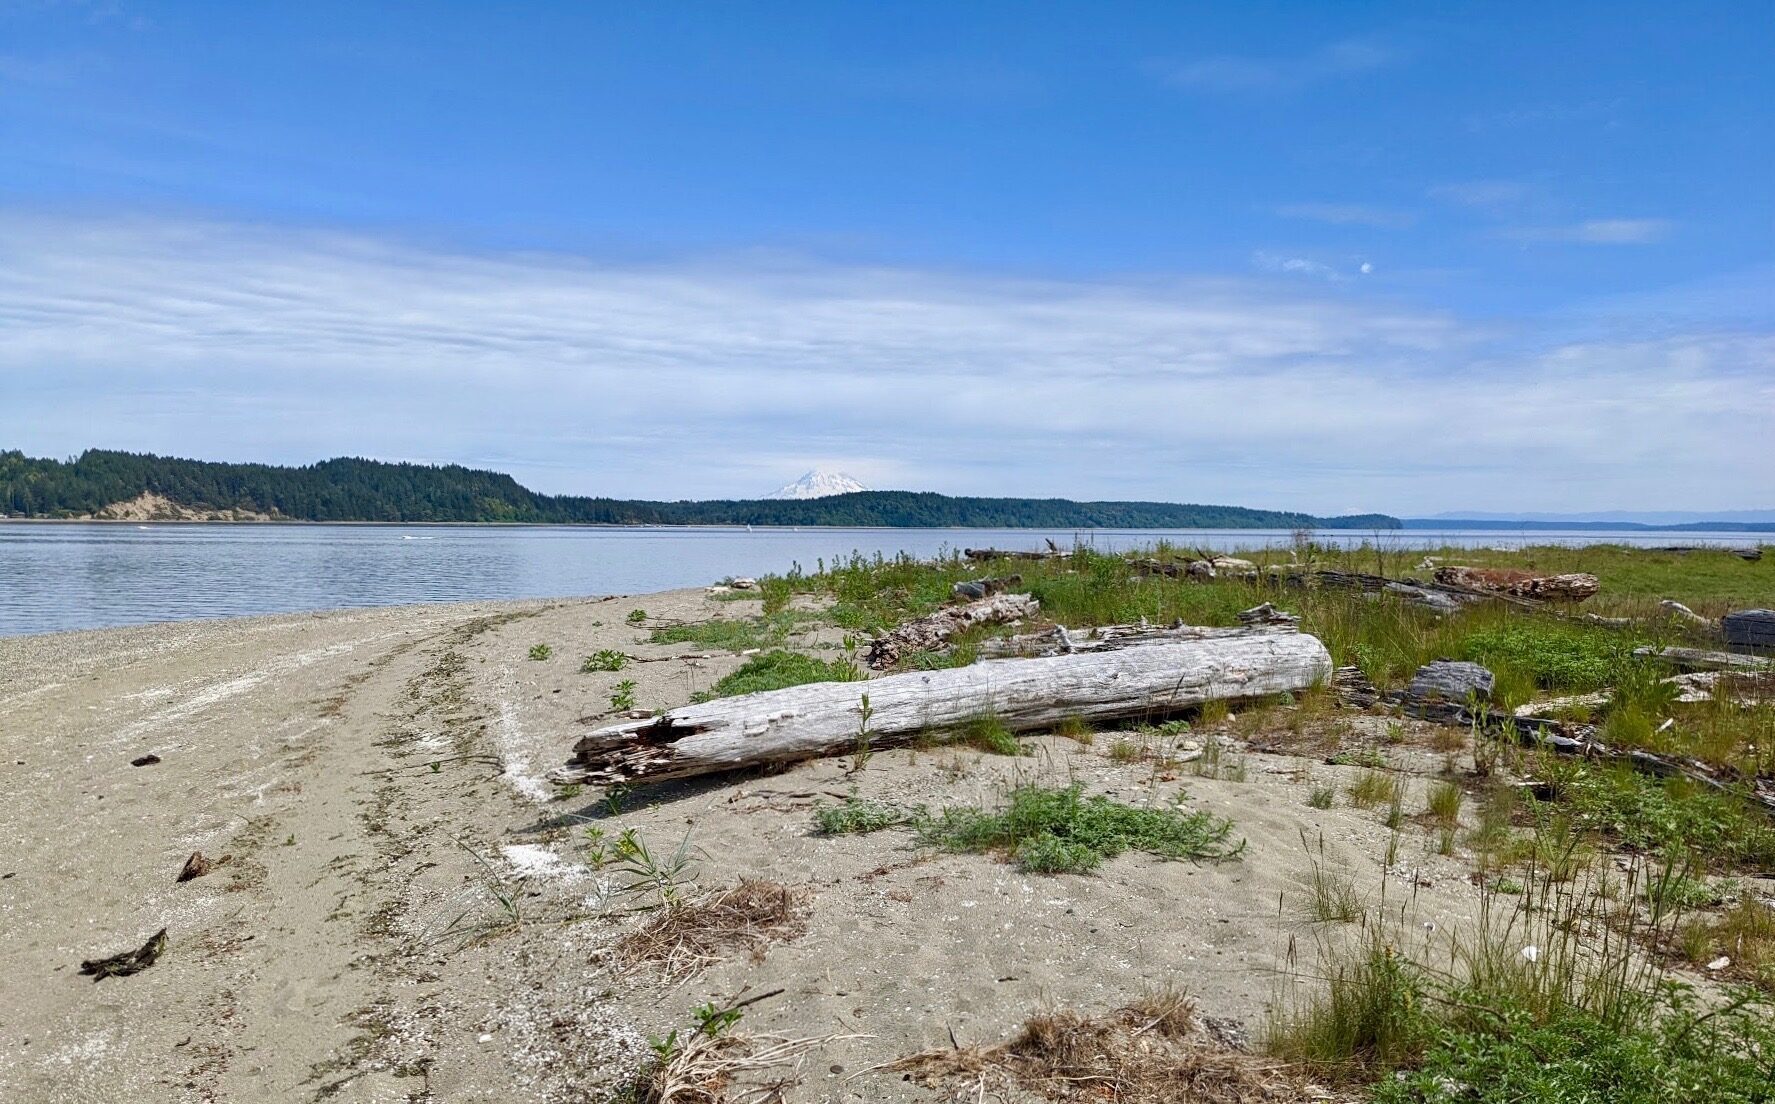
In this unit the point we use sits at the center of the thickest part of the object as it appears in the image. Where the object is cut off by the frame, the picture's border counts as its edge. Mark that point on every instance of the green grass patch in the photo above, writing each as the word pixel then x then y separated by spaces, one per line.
pixel 1510 1056
pixel 1554 655
pixel 856 816
pixel 1050 831
pixel 776 670
pixel 990 735
pixel 1651 814
pixel 736 634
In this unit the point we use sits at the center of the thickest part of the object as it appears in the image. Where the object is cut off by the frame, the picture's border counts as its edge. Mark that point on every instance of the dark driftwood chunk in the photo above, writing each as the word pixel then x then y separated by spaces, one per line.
pixel 128 962
pixel 195 867
pixel 147 760
pixel 1749 628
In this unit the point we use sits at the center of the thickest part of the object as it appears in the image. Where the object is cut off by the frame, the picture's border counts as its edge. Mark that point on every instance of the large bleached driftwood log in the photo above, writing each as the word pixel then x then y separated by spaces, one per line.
pixel 802 722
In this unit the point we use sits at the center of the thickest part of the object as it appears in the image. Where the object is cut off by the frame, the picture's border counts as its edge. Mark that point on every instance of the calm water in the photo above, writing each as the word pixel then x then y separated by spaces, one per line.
pixel 82 576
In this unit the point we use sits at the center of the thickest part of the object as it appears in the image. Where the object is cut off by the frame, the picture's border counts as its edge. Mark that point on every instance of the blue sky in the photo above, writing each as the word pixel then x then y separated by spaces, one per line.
pixel 1323 256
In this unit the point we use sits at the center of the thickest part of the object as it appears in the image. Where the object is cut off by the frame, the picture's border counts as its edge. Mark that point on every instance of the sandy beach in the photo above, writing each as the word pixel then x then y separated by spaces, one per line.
pixel 370 783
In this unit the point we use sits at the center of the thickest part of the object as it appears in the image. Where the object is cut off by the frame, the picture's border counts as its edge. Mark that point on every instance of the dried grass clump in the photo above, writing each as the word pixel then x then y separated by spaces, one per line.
pixel 685 938
pixel 725 1069
pixel 1154 1051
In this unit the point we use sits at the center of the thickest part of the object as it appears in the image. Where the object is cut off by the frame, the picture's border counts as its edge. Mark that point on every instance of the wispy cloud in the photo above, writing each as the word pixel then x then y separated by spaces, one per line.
pixel 1615 231
pixel 729 376
pixel 1349 214
pixel 1286 265
pixel 1495 196
pixel 1238 73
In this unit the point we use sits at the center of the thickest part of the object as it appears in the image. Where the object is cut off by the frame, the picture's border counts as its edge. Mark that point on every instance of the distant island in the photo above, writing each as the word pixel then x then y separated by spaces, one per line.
pixel 109 485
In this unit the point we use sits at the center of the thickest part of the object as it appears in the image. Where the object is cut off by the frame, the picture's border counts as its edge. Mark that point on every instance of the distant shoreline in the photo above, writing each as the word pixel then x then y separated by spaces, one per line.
pixel 1748 531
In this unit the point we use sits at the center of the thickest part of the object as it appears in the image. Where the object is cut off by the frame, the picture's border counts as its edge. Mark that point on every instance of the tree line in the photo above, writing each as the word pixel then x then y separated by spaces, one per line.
pixel 352 489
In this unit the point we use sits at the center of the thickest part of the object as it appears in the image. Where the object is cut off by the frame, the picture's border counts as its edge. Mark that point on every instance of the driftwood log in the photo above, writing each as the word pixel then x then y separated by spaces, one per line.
pixel 1574 587
pixel 1441 597
pixel 932 633
pixel 1698 659
pixel 983 555
pixel 1061 640
pixel 1750 629
pixel 802 722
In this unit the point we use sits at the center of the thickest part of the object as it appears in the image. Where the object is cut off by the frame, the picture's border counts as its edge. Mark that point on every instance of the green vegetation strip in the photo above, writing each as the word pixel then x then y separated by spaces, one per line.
pixel 1047 830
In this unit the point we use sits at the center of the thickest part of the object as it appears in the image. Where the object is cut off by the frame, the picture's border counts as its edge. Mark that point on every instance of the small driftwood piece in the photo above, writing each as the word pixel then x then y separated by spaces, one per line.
pixel 127 962
pixel 933 633
pixel 1025 695
pixel 1677 609
pixel 1354 688
pixel 195 867
pixel 972 590
pixel 1267 614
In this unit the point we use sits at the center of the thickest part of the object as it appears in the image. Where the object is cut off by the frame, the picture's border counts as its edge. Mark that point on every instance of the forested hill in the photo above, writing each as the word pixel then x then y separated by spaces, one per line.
pixel 369 490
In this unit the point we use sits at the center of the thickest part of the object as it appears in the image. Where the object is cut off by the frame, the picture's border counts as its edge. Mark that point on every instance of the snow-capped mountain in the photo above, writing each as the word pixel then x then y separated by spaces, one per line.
pixel 818 484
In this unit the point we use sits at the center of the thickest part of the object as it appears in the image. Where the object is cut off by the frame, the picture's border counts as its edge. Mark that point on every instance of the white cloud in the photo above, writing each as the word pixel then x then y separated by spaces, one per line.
pixel 1349 214
pixel 1234 73
pixel 1616 231
pixel 730 376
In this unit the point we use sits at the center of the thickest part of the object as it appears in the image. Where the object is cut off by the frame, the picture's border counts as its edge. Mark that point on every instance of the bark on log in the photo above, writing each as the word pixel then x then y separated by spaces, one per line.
pixel 801 722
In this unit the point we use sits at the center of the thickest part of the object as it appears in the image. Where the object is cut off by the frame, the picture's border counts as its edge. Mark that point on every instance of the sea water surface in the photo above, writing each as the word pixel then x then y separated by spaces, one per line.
pixel 70 575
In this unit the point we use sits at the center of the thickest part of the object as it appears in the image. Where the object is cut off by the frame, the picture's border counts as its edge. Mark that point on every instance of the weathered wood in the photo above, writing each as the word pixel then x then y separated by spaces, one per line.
pixel 801 722
pixel 1451 680
pixel 1052 552
pixel 1700 659
pixel 1267 614
pixel 1573 587
pixel 1354 689
pixel 1677 609
pixel 972 590
pixel 1441 597
pixel 1749 628
pixel 1061 640
pixel 933 632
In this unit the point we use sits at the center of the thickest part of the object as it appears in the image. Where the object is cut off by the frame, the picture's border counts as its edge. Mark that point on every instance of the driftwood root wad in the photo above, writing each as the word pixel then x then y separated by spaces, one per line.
pixel 1025 695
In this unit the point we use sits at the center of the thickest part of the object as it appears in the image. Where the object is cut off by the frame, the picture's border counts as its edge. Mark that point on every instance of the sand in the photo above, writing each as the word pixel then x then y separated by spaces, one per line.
pixel 374 777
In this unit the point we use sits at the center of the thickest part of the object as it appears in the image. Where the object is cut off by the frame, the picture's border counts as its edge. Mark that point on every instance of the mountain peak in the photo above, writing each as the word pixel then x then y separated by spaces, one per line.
pixel 818 484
